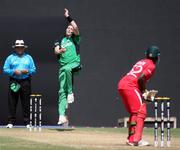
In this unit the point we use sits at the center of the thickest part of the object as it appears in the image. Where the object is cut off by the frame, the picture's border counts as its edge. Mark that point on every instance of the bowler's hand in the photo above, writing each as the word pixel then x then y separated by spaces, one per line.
pixel 66 12
pixel 62 50
pixel 58 50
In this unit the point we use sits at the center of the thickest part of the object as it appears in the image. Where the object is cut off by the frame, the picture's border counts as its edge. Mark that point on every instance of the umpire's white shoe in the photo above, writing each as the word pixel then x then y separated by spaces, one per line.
pixel 70 98
pixel 62 120
pixel 9 126
pixel 28 126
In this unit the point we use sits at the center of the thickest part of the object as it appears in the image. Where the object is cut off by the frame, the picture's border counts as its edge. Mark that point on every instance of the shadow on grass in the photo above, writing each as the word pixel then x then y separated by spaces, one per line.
pixel 62 130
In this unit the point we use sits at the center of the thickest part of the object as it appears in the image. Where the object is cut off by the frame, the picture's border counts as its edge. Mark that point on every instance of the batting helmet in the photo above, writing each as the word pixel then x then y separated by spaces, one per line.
pixel 152 51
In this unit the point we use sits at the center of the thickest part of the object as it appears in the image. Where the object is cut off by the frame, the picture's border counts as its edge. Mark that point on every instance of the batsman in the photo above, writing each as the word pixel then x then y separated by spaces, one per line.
pixel 67 50
pixel 132 89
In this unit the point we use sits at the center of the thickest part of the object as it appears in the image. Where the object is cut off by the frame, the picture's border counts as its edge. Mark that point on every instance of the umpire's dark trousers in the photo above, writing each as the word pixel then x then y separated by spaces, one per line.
pixel 24 95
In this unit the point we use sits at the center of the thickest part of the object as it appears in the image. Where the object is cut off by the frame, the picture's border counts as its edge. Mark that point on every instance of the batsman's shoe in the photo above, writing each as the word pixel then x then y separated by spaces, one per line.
pixel 142 143
pixel 9 126
pixel 129 143
pixel 62 120
pixel 70 98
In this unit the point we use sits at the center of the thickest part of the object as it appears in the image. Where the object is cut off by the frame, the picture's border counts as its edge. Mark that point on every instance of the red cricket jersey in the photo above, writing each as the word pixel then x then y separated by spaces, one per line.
pixel 130 80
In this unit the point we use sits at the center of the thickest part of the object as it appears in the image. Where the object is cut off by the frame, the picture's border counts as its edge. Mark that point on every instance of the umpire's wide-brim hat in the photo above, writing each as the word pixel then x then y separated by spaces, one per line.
pixel 19 43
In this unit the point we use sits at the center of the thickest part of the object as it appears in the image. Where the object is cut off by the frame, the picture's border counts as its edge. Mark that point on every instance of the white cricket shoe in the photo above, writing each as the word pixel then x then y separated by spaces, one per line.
pixel 62 120
pixel 140 143
pixel 70 98
pixel 28 126
pixel 129 143
pixel 9 126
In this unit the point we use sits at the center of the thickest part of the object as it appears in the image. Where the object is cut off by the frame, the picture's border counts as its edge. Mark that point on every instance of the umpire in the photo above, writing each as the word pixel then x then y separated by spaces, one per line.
pixel 19 66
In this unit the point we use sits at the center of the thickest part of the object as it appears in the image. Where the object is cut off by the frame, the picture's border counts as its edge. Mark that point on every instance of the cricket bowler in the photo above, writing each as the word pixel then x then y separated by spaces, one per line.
pixel 132 89
pixel 67 50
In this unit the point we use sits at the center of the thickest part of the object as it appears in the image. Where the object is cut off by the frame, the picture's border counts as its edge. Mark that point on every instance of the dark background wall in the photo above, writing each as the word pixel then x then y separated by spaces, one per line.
pixel 114 33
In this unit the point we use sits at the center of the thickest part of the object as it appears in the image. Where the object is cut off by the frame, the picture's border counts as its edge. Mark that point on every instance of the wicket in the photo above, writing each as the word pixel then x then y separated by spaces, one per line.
pixel 162 100
pixel 35 112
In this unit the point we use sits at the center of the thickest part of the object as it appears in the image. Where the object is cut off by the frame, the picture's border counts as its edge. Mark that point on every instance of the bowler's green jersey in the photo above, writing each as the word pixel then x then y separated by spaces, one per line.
pixel 72 50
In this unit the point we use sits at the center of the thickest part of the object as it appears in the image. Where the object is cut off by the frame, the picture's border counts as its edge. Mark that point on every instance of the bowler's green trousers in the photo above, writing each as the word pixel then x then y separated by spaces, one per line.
pixel 66 85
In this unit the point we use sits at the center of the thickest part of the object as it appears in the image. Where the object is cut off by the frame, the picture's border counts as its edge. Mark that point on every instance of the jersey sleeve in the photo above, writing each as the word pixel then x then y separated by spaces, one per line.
pixel 7 67
pixel 149 71
pixel 57 43
pixel 32 67
pixel 77 39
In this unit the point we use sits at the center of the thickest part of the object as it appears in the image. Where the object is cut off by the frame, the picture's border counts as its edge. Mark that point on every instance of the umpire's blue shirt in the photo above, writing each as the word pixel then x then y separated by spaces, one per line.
pixel 19 62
